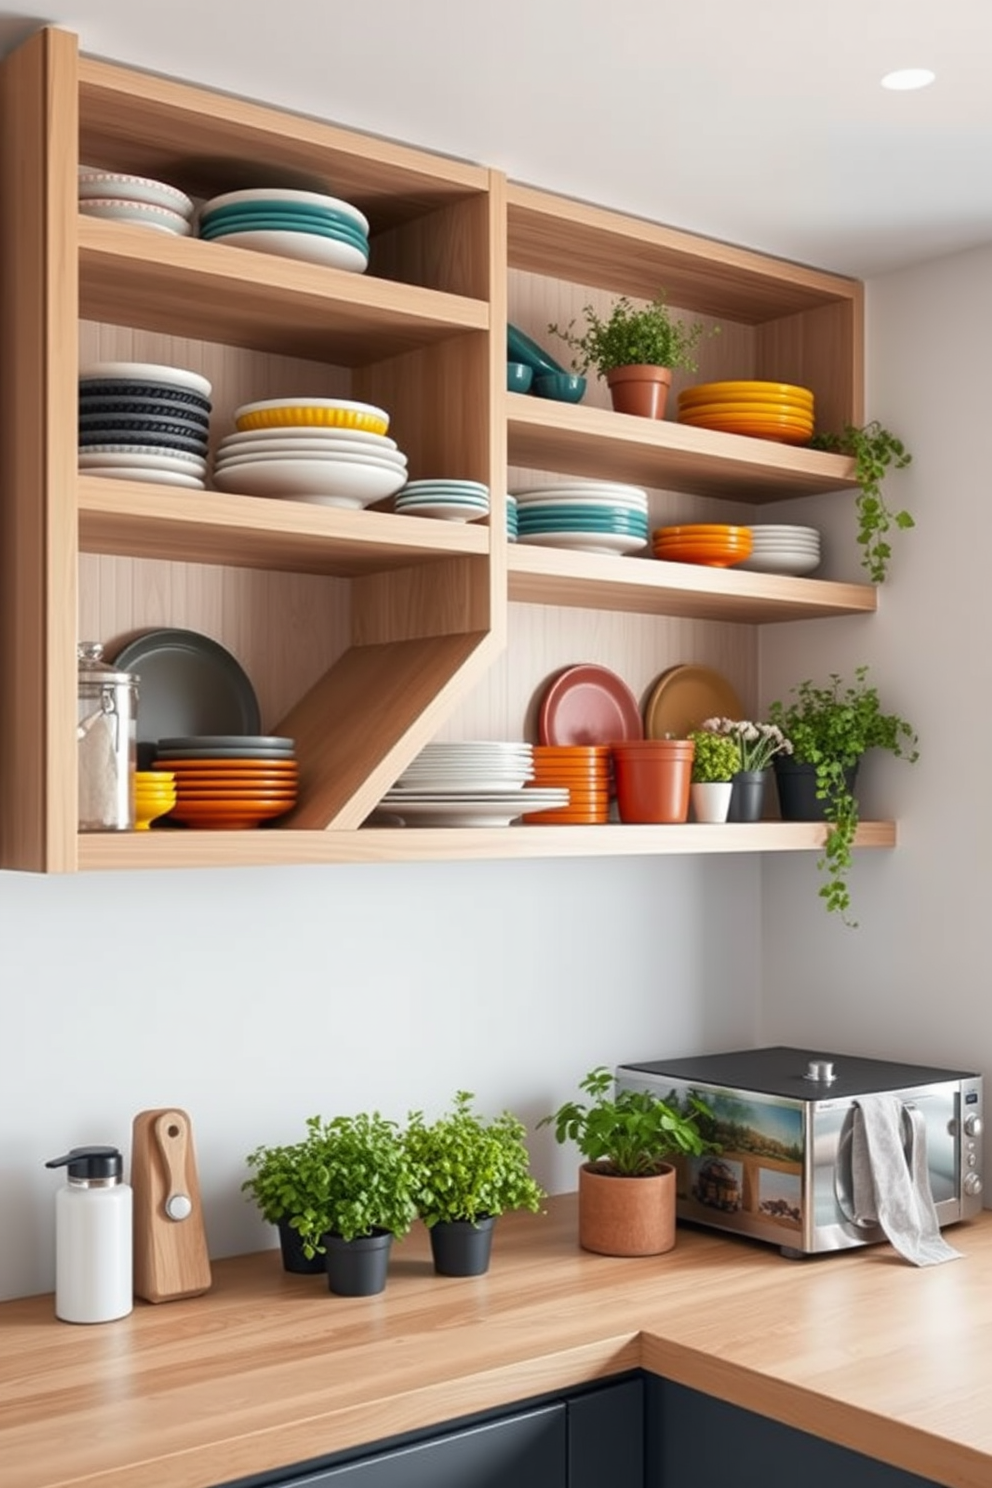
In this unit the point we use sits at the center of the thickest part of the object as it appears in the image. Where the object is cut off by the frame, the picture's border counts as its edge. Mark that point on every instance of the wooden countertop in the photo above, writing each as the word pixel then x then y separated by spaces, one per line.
pixel 268 1370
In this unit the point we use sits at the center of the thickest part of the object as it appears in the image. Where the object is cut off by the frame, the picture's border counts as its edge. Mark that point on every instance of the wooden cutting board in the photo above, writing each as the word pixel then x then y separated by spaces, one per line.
pixel 170 1244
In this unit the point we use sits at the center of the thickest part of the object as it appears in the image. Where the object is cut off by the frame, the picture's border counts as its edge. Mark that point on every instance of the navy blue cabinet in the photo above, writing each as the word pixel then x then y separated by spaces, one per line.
pixel 694 1441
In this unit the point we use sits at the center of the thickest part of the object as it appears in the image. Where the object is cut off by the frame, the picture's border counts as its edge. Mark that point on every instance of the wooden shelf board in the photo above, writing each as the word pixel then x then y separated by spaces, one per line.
pixel 573 439
pixel 215 292
pixel 206 142
pixel 273 847
pixel 141 520
pixel 565 238
pixel 557 576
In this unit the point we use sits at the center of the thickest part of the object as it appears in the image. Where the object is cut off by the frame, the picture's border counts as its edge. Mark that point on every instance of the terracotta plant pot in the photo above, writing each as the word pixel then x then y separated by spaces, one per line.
pixel 653 779
pixel 640 390
pixel 626 1216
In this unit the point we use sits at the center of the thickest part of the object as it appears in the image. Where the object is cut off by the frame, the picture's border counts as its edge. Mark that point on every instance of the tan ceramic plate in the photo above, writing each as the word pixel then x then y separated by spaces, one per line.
pixel 683 697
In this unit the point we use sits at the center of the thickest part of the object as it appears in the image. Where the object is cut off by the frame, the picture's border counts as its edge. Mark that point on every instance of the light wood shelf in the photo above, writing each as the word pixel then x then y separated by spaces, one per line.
pixel 553 576
pixel 181 849
pixel 426 602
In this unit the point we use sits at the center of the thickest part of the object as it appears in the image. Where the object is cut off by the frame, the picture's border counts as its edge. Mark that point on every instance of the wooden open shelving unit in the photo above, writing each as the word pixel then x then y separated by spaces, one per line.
pixel 425 603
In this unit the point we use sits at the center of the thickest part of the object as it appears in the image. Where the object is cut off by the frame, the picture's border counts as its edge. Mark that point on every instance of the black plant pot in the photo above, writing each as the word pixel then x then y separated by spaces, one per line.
pixel 461 1248
pixel 293 1258
pixel 358 1268
pixel 796 785
pixel 748 796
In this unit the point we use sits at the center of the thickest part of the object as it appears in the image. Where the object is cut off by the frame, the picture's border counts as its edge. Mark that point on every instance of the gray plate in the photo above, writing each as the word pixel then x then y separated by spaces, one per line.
pixel 214 754
pixel 199 742
pixel 187 685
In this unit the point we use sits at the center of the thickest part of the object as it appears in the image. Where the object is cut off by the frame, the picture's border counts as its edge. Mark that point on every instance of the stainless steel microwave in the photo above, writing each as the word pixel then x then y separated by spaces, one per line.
pixel 782 1121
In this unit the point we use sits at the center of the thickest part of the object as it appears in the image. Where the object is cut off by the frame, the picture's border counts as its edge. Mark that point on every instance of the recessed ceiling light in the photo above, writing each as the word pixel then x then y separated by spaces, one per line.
pixel 908 77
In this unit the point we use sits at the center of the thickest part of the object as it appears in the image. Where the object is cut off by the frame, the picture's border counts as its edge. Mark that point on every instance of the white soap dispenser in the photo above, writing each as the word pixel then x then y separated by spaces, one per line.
pixel 93 1237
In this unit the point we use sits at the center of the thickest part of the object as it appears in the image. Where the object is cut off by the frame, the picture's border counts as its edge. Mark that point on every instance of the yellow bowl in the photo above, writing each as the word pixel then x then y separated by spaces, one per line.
pixel 145 813
pixel 714 392
pixel 324 413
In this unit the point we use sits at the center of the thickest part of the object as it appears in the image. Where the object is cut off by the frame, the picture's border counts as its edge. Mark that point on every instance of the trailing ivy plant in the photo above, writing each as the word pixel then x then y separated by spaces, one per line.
pixel 469 1167
pixel 629 1133
pixel 874 450
pixel 831 727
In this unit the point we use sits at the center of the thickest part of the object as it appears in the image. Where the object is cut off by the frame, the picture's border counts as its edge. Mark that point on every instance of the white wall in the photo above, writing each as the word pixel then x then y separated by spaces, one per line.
pixel 255 998
pixel 912 981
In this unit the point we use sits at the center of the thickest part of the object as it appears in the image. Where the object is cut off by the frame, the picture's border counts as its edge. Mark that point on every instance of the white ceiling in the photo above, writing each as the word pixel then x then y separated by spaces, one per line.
pixel 761 122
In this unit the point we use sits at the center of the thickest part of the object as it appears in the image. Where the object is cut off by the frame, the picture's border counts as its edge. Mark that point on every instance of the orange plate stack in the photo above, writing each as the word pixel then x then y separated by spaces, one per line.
pixel 586 771
pixel 229 782
pixel 712 543
pixel 763 410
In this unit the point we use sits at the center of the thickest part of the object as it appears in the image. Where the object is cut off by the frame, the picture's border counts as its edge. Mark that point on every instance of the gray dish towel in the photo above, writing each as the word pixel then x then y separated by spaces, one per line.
pixel 891 1185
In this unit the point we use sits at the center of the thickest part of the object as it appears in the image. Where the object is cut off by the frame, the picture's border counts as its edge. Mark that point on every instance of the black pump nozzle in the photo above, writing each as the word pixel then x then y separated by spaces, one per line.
pixel 90 1162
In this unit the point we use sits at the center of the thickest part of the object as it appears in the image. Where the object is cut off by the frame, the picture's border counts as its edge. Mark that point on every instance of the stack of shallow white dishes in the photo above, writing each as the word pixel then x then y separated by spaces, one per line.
pixel 296 224
pixel 135 199
pixel 469 785
pixel 451 500
pixel 783 549
pixel 590 516
pixel 326 451
pixel 142 421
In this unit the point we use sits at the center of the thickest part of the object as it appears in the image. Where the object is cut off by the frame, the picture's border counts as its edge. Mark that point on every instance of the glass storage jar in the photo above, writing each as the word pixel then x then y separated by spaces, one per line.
pixel 107 733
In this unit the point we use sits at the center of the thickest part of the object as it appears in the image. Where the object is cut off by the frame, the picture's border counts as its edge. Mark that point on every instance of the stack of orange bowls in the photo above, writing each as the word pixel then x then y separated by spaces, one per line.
pixel 763 410
pixel 585 770
pixel 714 544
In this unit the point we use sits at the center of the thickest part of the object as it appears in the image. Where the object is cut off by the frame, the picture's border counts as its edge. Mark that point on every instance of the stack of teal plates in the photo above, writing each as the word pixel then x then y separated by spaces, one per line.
pixel 296 224
pixel 589 516
pixel 512 519
pixel 451 500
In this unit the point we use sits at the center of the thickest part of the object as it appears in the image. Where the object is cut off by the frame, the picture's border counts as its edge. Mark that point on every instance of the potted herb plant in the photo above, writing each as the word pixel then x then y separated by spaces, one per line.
pixel 627 1185
pixel 288 1187
pixel 635 349
pixel 468 1170
pixel 714 764
pixel 830 728
pixel 346 1191
pixel 874 450
pixel 756 745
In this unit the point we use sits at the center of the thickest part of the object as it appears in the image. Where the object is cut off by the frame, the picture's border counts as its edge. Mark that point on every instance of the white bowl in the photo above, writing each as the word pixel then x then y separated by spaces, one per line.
pixel 323 481
pixel 146 372
pixel 384 461
pixel 307 247
pixel 285 194
pixel 306 436
pixel 97 183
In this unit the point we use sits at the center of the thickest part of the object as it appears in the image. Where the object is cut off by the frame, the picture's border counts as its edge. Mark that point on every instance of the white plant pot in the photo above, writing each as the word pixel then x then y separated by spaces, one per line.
pixel 710 800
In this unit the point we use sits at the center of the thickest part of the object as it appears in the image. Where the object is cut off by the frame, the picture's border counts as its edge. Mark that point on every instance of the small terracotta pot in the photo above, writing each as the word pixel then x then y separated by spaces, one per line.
pixel 653 780
pixel 626 1216
pixel 641 390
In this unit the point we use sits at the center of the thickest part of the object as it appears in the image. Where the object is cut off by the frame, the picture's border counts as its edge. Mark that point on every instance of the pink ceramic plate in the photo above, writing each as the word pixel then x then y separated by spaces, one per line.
pixel 589 705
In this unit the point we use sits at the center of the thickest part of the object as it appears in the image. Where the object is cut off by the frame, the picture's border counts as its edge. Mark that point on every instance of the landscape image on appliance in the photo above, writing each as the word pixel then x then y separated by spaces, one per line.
pixel 783 1125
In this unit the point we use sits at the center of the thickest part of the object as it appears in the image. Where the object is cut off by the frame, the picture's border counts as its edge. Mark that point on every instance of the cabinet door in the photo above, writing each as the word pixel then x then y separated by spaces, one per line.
pixel 521 1451
pixel 695 1441
pixel 606 1437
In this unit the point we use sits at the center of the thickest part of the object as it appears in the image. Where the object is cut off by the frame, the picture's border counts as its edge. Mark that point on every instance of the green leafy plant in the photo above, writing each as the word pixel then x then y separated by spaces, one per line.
pixel 350 1176
pixel 630 336
pixel 755 744
pixel 832 727
pixel 874 450
pixel 714 759
pixel 468 1167
pixel 630 1133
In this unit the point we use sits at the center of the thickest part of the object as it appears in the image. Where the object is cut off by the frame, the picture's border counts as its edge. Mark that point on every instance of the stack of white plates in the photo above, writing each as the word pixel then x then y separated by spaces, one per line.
pixel 469 785
pixel 451 500
pixel 296 224
pixel 143 421
pixel 783 549
pixel 591 516
pixel 326 451
pixel 135 199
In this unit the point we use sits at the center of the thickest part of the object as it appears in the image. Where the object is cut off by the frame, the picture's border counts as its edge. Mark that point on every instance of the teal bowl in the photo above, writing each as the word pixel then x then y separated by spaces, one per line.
pixel 518 377
pixel 564 387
